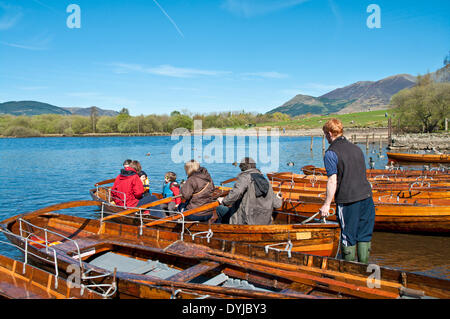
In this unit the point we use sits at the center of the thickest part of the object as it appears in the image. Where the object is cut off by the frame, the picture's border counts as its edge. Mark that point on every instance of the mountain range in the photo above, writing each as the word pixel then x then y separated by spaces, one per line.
pixel 358 97
pixel 30 108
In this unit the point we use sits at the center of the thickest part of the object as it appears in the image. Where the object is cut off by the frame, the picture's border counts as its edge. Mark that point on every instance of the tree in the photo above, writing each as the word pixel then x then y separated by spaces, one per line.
pixel 180 121
pixel 94 118
pixel 107 124
pixel 424 107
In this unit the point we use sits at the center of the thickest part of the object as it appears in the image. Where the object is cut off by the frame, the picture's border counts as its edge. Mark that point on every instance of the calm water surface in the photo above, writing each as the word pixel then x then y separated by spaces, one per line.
pixel 38 172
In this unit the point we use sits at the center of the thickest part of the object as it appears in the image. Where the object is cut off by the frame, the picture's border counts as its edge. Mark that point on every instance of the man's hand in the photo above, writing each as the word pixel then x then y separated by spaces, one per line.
pixel 325 210
pixel 213 218
pixel 220 200
pixel 279 195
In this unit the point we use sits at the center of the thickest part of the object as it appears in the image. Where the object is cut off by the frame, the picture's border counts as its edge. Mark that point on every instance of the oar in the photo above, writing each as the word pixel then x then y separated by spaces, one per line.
pixel 108 181
pixel 134 210
pixel 228 181
pixel 152 204
pixel 185 214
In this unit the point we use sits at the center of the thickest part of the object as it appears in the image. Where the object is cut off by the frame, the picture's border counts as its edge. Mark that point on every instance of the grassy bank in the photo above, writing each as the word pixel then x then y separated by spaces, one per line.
pixel 373 119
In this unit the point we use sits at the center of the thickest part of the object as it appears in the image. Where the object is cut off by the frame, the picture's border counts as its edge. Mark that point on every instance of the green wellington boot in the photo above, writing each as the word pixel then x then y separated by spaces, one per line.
pixel 364 252
pixel 349 253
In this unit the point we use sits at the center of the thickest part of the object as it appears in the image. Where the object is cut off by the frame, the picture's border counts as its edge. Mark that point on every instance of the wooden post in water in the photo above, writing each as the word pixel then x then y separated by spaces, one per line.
pixel 373 138
pixel 389 132
pixel 312 142
pixel 381 142
pixel 367 142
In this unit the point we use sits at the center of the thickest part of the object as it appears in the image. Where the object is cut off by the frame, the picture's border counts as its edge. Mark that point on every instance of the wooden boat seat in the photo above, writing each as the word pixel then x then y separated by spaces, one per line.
pixel 154 268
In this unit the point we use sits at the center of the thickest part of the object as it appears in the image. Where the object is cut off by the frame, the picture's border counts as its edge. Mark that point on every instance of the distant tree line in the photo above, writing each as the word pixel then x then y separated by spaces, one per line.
pixel 28 126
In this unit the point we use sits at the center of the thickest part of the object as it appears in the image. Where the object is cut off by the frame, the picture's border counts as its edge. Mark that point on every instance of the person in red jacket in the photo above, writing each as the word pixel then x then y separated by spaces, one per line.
pixel 128 188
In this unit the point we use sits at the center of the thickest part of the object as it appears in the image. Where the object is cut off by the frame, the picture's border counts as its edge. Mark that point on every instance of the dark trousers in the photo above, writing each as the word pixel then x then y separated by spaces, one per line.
pixel 357 221
pixel 224 213
pixel 154 211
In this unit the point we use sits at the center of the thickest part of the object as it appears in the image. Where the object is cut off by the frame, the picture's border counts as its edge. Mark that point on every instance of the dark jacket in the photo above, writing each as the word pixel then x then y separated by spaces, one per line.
pixel 127 186
pixel 252 199
pixel 352 183
pixel 198 190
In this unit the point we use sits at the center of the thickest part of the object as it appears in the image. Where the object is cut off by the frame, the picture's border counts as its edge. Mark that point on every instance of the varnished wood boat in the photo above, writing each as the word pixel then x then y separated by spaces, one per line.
pixel 394 217
pixel 377 198
pixel 23 281
pixel 412 193
pixel 422 158
pixel 392 213
pixel 372 173
pixel 378 183
pixel 314 238
pixel 295 275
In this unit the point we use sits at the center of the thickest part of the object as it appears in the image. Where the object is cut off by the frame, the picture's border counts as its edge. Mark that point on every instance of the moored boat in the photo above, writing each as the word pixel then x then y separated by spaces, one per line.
pixel 421 158
pixel 394 171
pixel 203 265
pixel 23 281
pixel 313 237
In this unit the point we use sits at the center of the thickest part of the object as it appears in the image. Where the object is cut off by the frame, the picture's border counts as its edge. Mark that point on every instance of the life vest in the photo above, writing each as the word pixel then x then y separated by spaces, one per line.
pixel 146 185
pixel 167 190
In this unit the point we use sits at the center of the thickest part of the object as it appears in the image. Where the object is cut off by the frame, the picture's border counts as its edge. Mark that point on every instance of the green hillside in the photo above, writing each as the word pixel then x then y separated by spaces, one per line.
pixel 30 108
pixel 362 119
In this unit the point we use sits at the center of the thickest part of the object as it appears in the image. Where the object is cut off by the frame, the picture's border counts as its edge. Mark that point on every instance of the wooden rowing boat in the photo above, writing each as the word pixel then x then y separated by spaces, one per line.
pixel 292 193
pixel 314 238
pixel 373 173
pixel 195 261
pixel 395 217
pixel 412 193
pixel 23 281
pixel 422 158
pixel 417 215
pixel 380 183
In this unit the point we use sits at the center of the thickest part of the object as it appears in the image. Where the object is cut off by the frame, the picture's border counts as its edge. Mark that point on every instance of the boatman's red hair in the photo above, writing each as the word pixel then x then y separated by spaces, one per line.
pixel 334 127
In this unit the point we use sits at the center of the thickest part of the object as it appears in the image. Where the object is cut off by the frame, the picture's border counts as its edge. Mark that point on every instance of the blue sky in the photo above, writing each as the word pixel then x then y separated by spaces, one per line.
pixel 156 56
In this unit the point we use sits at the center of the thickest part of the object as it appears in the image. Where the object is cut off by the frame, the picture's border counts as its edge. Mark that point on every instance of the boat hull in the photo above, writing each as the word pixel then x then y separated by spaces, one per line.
pixel 313 238
pixel 419 158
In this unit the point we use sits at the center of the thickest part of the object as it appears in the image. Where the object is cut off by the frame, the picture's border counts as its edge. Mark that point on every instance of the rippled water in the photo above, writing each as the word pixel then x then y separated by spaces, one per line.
pixel 38 172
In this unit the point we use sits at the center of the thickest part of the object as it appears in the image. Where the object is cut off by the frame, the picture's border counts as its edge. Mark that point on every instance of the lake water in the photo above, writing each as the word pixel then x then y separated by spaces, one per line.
pixel 39 172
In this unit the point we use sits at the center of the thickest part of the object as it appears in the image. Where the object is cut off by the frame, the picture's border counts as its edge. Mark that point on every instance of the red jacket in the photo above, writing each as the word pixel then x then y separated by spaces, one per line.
pixel 128 185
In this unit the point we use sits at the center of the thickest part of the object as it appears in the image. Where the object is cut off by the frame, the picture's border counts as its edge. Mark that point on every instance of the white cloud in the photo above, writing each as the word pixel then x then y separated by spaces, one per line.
pixel 166 70
pixel 33 88
pixel 23 46
pixel 9 16
pixel 268 75
pixel 38 43
pixel 250 8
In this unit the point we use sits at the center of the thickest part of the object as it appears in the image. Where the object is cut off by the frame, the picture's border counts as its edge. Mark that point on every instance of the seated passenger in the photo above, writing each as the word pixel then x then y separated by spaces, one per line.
pixel 127 188
pixel 144 178
pixel 170 189
pixel 197 191
pixel 251 201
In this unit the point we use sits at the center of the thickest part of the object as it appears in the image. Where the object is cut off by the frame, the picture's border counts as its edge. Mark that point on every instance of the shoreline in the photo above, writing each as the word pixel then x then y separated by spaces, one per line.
pixel 259 131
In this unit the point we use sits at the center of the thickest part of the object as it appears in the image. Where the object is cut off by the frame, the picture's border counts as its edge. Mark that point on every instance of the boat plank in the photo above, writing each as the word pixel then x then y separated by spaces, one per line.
pixel 195 271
